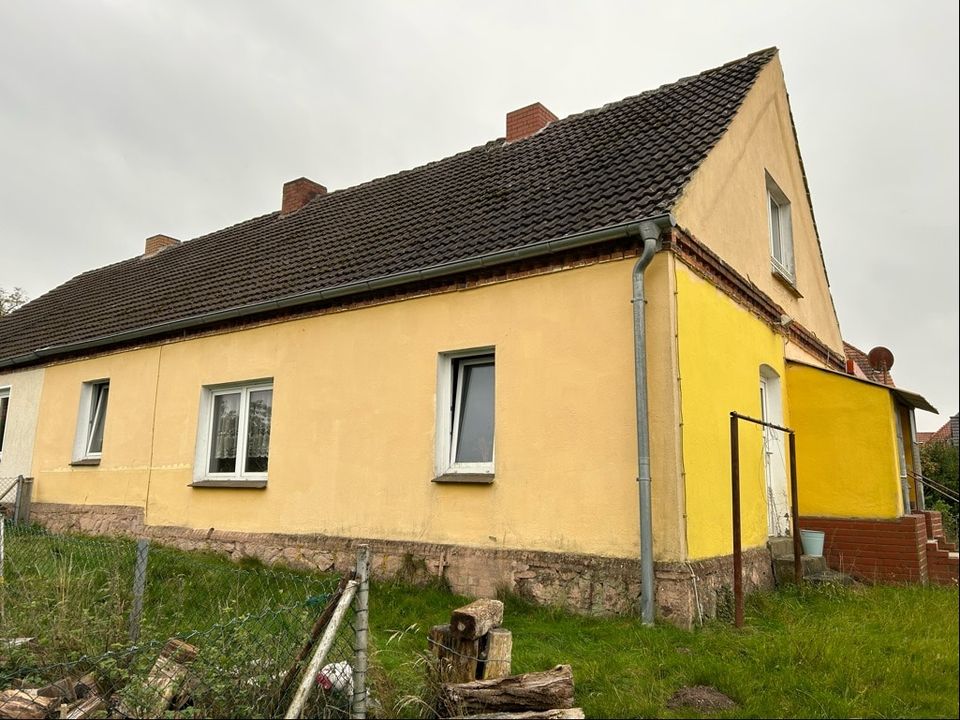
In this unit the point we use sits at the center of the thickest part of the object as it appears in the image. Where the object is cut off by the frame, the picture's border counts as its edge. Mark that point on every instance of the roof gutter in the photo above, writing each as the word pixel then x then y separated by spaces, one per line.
pixel 535 250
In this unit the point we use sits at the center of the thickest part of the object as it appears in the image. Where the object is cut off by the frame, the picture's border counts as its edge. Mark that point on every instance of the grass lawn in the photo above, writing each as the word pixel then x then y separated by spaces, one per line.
pixel 864 652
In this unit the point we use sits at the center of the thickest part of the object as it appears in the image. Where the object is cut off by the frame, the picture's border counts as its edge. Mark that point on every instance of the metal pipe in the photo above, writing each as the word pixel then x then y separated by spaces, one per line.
pixel 795 511
pixel 650 232
pixel 917 465
pixel 735 501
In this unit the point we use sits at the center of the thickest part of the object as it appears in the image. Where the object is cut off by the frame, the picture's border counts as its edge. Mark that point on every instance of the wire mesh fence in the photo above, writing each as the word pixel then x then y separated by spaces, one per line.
pixel 112 627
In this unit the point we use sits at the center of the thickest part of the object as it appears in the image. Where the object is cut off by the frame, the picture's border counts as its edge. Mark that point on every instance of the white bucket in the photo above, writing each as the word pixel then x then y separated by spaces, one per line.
pixel 812 541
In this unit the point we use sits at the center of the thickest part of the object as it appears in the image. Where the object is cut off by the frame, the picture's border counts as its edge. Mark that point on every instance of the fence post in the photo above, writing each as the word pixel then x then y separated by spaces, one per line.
pixel 139 584
pixel 21 507
pixel 361 627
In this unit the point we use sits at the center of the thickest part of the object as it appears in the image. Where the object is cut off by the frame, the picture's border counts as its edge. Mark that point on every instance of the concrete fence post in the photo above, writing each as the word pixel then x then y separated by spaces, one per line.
pixel 21 508
pixel 139 585
pixel 361 628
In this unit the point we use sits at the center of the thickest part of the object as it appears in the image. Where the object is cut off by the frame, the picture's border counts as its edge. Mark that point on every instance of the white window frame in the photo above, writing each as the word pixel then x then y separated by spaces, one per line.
pixel 5 391
pixel 785 266
pixel 448 416
pixel 201 465
pixel 89 418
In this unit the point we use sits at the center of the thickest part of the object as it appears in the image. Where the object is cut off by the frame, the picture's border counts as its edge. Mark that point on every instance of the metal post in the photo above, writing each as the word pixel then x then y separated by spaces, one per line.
pixel 737 549
pixel 917 465
pixel 362 624
pixel 139 584
pixel 795 511
pixel 21 508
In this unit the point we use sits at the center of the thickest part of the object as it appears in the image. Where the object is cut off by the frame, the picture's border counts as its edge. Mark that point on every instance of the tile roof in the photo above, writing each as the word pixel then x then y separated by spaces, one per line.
pixel 622 162
pixel 859 357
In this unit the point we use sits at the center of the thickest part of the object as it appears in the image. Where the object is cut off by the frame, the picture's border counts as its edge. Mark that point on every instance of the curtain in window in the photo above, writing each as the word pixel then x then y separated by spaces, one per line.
pixel 226 420
pixel 258 430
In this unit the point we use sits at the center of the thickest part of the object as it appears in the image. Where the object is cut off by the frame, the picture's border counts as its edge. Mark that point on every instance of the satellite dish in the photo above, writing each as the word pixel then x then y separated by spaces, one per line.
pixel 881 359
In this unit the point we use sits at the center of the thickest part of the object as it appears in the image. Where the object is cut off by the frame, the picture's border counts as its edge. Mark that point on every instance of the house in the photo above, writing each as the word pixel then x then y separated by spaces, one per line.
pixel 471 364
pixel 948 433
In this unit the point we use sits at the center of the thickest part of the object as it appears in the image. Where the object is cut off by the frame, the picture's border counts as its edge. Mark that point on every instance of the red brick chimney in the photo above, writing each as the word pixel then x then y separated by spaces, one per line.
pixel 298 193
pixel 156 243
pixel 528 120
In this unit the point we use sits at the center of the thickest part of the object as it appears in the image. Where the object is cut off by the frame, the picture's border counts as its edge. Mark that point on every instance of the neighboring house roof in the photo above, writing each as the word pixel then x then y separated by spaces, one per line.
pixel 862 363
pixel 947 433
pixel 924 437
pixel 623 162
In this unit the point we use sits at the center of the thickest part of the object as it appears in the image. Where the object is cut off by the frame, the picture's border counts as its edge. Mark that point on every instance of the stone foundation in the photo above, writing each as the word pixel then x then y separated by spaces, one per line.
pixel 582 583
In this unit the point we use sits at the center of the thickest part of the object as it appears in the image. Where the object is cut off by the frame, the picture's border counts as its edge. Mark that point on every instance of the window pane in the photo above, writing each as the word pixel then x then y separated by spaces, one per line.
pixel 223 444
pixel 4 403
pixel 775 244
pixel 258 431
pixel 475 438
pixel 98 418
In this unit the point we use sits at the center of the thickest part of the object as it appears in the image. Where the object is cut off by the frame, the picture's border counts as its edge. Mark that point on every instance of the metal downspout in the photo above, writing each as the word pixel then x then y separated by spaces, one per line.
pixel 650 233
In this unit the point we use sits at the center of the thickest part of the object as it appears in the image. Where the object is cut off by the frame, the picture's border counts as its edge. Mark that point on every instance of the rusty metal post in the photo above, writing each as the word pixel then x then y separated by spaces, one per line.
pixel 795 511
pixel 737 549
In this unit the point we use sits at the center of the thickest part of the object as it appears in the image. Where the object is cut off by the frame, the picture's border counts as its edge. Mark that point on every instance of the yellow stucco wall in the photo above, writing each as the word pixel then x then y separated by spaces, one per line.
pixel 722 347
pixel 725 206
pixel 847 462
pixel 352 445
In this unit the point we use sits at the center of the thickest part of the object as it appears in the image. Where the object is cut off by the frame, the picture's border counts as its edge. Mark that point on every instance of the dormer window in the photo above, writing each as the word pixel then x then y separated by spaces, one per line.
pixel 781 233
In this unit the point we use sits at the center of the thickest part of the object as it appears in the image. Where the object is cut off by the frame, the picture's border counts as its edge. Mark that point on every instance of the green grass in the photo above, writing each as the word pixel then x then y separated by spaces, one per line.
pixel 864 652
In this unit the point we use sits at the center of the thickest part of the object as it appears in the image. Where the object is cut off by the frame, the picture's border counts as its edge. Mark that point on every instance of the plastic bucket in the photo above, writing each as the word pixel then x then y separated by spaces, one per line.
pixel 812 541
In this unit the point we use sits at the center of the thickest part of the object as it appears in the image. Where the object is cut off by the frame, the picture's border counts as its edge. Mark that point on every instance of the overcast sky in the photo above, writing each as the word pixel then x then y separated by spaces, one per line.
pixel 120 120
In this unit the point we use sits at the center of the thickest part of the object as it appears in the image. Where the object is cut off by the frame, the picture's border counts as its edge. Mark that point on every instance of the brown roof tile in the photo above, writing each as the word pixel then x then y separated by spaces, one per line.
pixel 623 162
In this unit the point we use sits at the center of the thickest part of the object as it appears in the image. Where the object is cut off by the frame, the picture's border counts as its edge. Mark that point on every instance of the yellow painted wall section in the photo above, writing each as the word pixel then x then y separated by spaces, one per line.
pixel 725 205
pixel 722 347
pixel 847 462
pixel 352 442
pixel 121 478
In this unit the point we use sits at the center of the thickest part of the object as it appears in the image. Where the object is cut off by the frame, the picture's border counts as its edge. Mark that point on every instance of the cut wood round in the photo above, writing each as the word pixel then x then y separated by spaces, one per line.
pixel 532 691
pixel 476 619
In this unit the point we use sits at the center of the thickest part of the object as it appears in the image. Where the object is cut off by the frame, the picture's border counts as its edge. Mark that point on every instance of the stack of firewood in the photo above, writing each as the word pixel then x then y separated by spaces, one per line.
pixel 69 697
pixel 473 654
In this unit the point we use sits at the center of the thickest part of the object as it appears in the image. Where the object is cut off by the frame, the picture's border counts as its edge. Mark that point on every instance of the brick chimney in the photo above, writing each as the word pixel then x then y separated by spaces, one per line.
pixel 298 193
pixel 528 120
pixel 156 243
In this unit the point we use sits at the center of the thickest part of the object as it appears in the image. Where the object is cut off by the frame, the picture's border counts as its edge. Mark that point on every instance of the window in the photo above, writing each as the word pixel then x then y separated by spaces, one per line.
pixel 234 434
pixel 4 405
pixel 781 232
pixel 91 422
pixel 465 415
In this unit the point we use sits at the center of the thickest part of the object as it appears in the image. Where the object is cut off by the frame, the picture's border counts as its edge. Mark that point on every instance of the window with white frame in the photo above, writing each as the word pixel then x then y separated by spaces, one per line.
pixel 4 406
pixel 233 441
pixel 465 413
pixel 781 232
pixel 91 420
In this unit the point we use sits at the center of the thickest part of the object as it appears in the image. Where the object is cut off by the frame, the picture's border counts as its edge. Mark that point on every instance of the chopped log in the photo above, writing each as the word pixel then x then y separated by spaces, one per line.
pixel 26 705
pixel 86 686
pixel 475 620
pixel 458 659
pixel 167 675
pixel 496 651
pixel 555 714
pixel 62 690
pixel 85 708
pixel 531 691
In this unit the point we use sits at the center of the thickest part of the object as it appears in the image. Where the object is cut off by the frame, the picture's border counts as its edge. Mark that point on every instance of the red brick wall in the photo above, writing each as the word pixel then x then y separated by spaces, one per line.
pixel 875 550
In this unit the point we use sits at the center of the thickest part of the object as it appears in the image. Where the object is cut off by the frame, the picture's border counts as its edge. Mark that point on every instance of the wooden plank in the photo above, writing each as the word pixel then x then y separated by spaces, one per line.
pixel 554 714
pixel 475 620
pixel 85 708
pixel 496 652
pixel 532 691
pixel 167 675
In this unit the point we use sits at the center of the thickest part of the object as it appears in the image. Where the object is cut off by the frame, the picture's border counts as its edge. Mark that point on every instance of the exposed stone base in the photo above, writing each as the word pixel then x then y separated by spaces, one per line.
pixel 582 583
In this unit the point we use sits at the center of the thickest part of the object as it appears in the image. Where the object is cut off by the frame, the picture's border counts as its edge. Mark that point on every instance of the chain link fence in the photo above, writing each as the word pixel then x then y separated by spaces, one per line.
pixel 112 627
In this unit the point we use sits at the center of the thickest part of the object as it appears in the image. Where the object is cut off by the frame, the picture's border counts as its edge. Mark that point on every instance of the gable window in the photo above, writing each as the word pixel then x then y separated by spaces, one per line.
pixel 4 406
pixel 233 446
pixel 91 421
pixel 465 415
pixel 781 232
